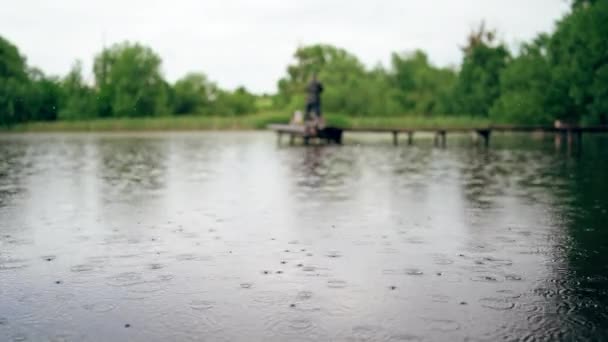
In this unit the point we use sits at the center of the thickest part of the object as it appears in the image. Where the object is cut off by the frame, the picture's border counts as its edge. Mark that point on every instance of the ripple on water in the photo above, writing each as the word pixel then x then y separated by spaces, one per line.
pixel 442 325
pixel 404 337
pixel 309 269
pixel 152 285
pixel 155 266
pixel 316 271
pixel 513 277
pixel 292 327
pixel 336 284
pixel 83 268
pixel 363 242
pixel 128 256
pixel 304 295
pixel 413 272
pixel 333 254
pixel 487 278
pixel 67 337
pixel 389 250
pixel 278 298
pixel 391 272
pixel 367 332
pixel 125 279
pixel 545 292
pixel 551 326
pixel 64 297
pixel 99 307
pixel 508 294
pixel 499 304
pixel 98 259
pixel 442 260
pixel 192 257
pixel 19 338
pixel 7 264
pixel 202 305
pixel 439 298
pixel 531 308
pixel 415 240
pixel 497 262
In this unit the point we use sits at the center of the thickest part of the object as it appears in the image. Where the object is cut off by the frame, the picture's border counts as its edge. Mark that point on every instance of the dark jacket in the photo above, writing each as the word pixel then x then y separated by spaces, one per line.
pixel 314 90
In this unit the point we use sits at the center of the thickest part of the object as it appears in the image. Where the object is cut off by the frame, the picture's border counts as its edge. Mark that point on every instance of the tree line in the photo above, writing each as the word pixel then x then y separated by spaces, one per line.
pixel 560 75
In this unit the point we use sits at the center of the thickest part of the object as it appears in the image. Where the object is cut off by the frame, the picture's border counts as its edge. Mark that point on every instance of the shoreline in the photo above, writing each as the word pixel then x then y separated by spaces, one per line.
pixel 238 123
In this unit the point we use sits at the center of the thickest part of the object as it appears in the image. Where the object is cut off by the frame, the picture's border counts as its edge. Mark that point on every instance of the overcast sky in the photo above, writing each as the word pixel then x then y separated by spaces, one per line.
pixel 250 42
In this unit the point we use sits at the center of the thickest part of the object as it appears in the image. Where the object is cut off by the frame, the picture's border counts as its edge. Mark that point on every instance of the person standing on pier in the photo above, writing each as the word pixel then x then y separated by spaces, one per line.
pixel 313 100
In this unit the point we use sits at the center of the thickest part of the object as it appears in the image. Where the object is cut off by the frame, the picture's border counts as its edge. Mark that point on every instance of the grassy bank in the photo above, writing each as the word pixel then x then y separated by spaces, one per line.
pixel 249 122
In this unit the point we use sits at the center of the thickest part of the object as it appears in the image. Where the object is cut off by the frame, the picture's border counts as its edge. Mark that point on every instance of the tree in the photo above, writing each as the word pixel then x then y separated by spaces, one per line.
pixel 578 56
pixel 78 98
pixel 43 97
pixel 582 3
pixel 423 88
pixel 478 83
pixel 341 73
pixel 238 102
pixel 130 82
pixel 194 94
pixel 14 84
pixel 523 85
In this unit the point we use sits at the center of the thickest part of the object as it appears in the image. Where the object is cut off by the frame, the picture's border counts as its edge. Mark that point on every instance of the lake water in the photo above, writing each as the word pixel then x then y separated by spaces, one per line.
pixel 229 237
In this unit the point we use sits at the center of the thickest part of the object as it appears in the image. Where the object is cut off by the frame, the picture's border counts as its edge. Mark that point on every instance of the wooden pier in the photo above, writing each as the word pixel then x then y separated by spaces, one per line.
pixel 334 134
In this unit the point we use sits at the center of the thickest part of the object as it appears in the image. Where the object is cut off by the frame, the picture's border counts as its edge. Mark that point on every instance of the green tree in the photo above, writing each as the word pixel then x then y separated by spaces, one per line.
pixel 238 102
pixel 379 96
pixel 43 97
pixel 14 84
pixel 78 99
pixel 578 56
pixel 423 88
pixel 194 94
pixel 583 3
pixel 523 85
pixel 478 82
pixel 341 73
pixel 130 82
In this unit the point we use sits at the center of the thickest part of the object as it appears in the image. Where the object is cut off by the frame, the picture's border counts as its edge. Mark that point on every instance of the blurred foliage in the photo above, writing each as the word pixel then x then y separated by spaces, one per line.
pixel 560 75
pixel 478 84
pixel 193 94
pixel 421 88
pixel 129 81
pixel 79 101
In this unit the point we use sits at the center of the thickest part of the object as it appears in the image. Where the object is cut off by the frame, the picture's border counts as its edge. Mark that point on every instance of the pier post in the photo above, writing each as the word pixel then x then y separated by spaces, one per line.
pixel 569 137
pixel 440 138
pixel 410 138
pixel 292 138
pixel 557 140
pixel 485 134
pixel 395 138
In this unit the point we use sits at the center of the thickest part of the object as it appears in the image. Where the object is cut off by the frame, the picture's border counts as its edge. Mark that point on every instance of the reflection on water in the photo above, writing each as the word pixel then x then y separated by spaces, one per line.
pixel 226 236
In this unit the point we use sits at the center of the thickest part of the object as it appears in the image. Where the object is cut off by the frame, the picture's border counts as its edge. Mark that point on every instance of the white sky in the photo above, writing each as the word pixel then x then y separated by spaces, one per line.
pixel 250 42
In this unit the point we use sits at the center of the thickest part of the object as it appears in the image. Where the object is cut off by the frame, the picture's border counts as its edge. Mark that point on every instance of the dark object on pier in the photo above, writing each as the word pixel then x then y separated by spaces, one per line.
pixel 331 134
pixel 327 134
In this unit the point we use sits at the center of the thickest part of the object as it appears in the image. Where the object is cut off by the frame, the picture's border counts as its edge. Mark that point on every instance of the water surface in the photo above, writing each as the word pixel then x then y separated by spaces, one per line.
pixel 229 237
